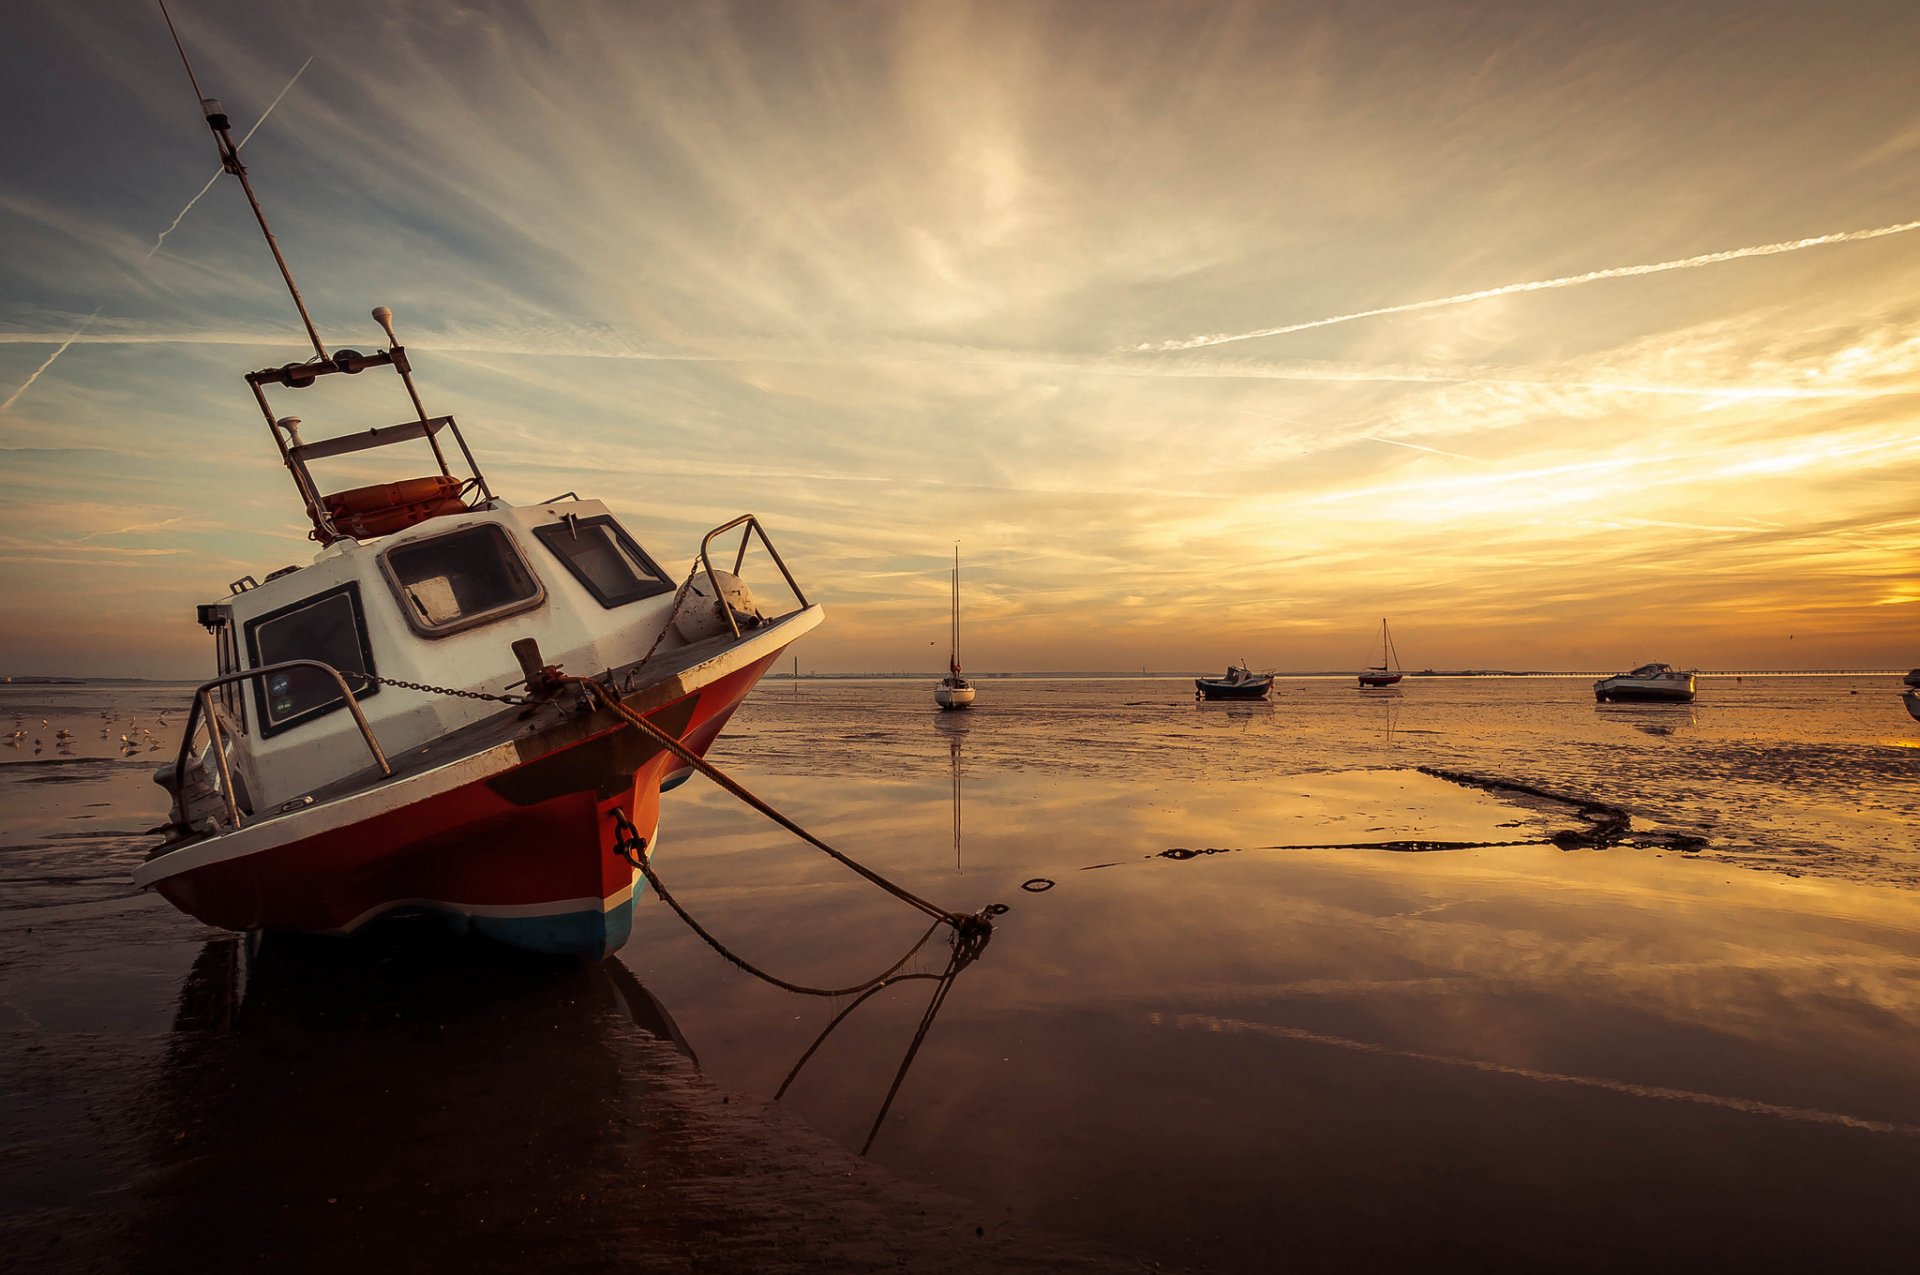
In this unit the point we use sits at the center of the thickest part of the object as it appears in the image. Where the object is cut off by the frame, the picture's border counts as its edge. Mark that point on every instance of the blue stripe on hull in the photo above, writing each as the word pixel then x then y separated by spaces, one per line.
pixel 593 933
pixel 590 933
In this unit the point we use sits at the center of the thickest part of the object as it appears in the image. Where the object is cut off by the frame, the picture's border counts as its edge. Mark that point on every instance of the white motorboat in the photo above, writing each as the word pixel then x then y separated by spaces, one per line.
pixel 364 751
pixel 954 691
pixel 1238 682
pixel 1658 682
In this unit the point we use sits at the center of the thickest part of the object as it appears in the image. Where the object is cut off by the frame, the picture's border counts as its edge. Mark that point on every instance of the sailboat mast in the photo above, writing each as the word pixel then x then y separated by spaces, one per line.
pixel 956 606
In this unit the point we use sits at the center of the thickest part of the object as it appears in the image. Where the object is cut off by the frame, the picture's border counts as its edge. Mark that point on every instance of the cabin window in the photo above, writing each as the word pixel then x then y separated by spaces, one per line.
pixel 328 627
pixel 602 556
pixel 463 578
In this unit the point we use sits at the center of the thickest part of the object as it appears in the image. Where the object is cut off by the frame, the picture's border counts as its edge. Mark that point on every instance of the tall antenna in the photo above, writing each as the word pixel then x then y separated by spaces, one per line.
pixel 230 160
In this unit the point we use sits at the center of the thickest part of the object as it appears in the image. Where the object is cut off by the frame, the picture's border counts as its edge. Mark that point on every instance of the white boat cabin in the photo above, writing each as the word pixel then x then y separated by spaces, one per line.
pixel 438 603
pixel 425 580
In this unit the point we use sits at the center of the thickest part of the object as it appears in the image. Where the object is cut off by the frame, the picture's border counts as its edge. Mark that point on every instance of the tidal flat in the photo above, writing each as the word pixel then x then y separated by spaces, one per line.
pixel 1276 988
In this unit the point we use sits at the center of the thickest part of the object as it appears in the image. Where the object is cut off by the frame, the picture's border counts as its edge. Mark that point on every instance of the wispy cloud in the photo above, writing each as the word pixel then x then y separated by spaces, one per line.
pixel 62 348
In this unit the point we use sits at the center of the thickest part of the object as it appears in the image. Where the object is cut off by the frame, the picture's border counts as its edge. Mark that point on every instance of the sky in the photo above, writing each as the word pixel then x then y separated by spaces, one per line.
pixel 1565 336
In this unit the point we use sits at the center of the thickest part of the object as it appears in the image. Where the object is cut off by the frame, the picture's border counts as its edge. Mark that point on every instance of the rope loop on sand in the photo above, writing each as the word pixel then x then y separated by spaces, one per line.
pixel 633 848
pixel 971 930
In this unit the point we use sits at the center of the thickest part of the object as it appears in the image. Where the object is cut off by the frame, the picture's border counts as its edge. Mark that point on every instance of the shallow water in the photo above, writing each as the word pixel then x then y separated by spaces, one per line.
pixel 1241 1054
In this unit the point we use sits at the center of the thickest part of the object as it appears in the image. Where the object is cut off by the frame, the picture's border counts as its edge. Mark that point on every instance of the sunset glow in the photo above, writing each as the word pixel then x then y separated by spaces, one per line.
pixel 1566 336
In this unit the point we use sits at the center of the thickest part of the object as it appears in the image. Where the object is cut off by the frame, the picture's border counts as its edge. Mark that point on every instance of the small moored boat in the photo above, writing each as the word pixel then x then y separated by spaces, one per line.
pixel 362 749
pixel 1649 682
pixel 1387 671
pixel 1913 678
pixel 1238 682
pixel 954 691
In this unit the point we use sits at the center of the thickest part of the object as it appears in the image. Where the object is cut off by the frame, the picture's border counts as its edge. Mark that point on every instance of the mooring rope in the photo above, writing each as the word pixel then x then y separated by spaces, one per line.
pixel 961 921
pixel 633 849
pixel 971 931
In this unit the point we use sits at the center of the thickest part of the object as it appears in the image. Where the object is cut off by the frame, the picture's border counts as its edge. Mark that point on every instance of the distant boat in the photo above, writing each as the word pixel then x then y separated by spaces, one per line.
pixel 1660 682
pixel 1238 682
pixel 1387 671
pixel 954 691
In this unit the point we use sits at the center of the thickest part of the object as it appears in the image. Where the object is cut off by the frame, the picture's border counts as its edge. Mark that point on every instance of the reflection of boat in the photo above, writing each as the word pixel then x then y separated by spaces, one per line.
pixel 1653 718
pixel 1238 682
pixel 335 784
pixel 953 760
pixel 954 691
pixel 419 1080
pixel 512 1098
pixel 1648 682
pixel 1387 671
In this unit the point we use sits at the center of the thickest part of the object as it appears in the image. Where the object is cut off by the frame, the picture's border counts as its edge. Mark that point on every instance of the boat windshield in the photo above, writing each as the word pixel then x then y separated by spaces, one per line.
pixel 464 578
pixel 328 627
pixel 602 556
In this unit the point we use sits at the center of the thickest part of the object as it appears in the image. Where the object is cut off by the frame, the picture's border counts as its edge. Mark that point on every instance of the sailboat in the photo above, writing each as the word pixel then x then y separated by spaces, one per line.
pixel 954 691
pixel 1387 671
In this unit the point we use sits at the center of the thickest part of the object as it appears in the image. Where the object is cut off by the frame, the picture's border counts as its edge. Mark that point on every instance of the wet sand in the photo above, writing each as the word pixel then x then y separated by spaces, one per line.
pixel 1438 1037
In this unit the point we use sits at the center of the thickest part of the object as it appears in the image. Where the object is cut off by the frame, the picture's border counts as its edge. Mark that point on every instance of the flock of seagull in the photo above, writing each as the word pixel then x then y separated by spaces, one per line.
pixel 136 739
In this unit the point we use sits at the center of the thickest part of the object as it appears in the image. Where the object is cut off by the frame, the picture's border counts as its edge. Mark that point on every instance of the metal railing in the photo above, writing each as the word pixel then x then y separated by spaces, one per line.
pixel 203 704
pixel 752 529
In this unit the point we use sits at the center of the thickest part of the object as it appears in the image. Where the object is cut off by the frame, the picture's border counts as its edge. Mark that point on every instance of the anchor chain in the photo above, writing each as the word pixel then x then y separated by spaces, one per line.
pixel 454 691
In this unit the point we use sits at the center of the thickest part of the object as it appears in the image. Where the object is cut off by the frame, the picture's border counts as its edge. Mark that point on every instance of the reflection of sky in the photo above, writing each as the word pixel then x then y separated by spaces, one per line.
pixel 897 275
pixel 1234 1030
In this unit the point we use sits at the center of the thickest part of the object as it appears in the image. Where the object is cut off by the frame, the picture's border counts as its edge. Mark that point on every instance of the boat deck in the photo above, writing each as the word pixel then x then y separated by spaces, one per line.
pixel 540 728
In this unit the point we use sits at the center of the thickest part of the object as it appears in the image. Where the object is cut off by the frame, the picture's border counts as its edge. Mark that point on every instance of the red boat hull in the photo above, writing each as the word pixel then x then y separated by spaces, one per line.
pixel 529 854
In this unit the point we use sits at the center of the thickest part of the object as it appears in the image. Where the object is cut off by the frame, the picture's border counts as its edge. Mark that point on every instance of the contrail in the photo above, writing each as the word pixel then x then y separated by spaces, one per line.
pixel 181 216
pixel 218 171
pixel 49 363
pixel 1542 285
pixel 1418 447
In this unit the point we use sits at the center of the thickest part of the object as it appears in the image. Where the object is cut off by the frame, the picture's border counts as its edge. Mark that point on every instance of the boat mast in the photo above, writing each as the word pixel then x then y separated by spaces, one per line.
pixel 230 161
pixel 953 635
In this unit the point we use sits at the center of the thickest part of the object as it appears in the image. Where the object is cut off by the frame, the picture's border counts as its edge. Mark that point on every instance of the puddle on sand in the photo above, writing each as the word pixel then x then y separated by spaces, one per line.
pixel 1379 1056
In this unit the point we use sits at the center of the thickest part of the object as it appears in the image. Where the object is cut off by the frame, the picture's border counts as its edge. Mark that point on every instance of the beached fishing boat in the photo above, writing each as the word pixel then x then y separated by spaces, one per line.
pixel 954 691
pixel 460 704
pixel 1387 671
pixel 1660 682
pixel 1238 682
